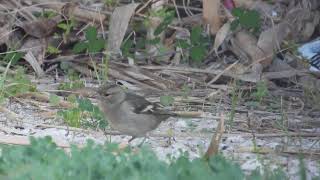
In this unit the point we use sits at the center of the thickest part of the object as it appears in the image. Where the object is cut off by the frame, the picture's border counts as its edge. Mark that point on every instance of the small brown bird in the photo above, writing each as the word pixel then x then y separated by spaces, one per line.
pixel 129 113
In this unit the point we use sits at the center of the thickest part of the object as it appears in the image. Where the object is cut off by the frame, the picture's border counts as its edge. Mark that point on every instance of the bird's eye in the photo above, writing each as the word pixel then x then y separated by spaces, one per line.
pixel 107 94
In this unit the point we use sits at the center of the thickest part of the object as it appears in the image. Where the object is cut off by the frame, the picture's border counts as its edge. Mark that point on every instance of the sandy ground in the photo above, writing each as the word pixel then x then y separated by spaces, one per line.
pixel 191 135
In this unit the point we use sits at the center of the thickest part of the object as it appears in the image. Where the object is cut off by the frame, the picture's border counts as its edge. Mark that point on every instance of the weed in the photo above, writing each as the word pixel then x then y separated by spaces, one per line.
pixel 74 80
pixel 111 3
pixel 42 159
pixel 83 114
pixel 197 44
pixel 236 94
pixel 52 50
pixel 92 44
pixel 248 19
pixel 261 92
pixel 67 26
pixel 12 85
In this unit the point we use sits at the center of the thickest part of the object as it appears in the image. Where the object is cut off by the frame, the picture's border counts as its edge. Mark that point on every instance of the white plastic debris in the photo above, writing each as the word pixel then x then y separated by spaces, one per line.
pixel 311 51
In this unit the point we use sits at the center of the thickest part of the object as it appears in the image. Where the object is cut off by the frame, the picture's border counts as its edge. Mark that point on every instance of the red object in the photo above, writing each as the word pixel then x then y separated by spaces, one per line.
pixel 229 4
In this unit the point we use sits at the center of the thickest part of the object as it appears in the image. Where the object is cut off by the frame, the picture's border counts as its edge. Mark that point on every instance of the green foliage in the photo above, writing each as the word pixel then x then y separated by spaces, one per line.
pixel 168 18
pixel 12 85
pixel 92 44
pixel 126 47
pixel 53 50
pixel 44 160
pixel 75 81
pixel 261 92
pixel 111 3
pixel 72 116
pixel 131 45
pixel 248 19
pixel 67 26
pixel 302 168
pixel 12 56
pixel 166 100
pixel 83 114
pixel 46 14
pixel 197 44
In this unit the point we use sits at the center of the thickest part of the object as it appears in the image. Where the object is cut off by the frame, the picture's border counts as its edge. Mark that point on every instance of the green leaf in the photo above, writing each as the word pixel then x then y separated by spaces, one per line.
pixel 195 35
pixel 164 24
pixel 141 43
pixel 154 41
pixel 42 159
pixel 197 53
pixel 237 12
pixel 80 47
pixel 62 26
pixel 85 104
pixel 72 116
pixel 14 57
pixel 249 19
pixel 91 33
pixel 166 100
pixel 52 50
pixel 183 44
pixel 96 45
pixel 125 48
pixel 234 24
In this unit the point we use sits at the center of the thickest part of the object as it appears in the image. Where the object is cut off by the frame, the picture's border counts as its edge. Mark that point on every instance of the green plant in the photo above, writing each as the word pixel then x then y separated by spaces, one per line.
pixel 12 56
pixel 42 159
pixel 261 91
pixel 53 50
pixel 74 80
pixel 83 114
pixel 197 44
pixel 46 14
pixel 133 44
pixel 12 85
pixel 92 44
pixel 67 26
pixel 72 116
pixel 248 19
pixel 111 3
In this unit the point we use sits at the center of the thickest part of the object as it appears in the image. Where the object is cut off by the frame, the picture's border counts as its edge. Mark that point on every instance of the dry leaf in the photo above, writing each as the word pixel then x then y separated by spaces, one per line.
pixel 41 28
pixel 221 35
pixel 29 57
pixel 118 26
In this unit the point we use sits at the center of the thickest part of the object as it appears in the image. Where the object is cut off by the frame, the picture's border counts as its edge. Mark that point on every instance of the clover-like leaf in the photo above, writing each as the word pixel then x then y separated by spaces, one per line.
pixel 91 33
pixel 80 47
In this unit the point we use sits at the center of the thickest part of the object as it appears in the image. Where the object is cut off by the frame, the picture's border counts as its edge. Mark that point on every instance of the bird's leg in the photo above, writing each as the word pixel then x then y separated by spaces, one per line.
pixel 144 139
pixel 132 138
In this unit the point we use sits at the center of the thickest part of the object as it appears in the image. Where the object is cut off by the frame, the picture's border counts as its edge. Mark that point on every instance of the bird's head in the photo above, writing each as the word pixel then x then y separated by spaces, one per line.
pixel 112 93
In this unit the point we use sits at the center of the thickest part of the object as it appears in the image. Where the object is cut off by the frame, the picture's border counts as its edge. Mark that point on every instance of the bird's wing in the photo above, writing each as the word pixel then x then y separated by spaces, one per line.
pixel 139 104
pixel 142 106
